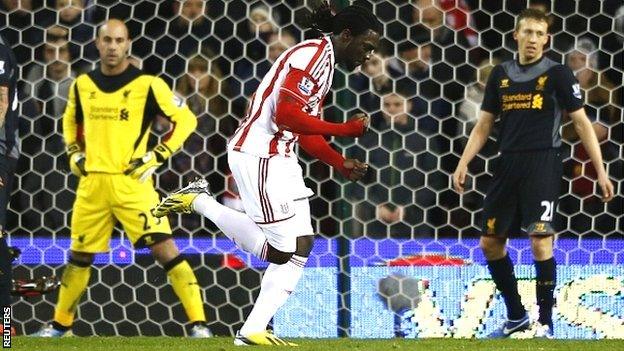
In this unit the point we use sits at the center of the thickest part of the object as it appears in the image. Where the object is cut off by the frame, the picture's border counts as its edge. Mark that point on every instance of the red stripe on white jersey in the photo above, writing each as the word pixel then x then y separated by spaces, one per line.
pixel 322 63
pixel 266 94
pixel 315 61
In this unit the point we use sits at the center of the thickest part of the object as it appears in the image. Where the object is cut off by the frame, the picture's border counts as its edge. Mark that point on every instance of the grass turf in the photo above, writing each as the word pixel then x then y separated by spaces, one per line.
pixel 223 344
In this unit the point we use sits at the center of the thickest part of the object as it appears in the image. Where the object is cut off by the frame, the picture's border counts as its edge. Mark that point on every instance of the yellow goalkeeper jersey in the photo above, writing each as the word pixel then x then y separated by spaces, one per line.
pixel 110 117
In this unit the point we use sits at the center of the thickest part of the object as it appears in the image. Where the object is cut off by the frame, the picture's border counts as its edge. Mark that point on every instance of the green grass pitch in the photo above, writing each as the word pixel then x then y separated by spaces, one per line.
pixel 223 344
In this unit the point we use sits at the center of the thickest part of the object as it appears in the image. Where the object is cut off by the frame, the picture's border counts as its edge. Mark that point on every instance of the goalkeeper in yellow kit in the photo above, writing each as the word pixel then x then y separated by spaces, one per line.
pixel 106 125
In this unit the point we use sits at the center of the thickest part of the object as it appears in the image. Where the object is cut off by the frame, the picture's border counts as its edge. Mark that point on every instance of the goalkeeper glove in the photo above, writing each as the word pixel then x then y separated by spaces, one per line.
pixel 76 160
pixel 143 168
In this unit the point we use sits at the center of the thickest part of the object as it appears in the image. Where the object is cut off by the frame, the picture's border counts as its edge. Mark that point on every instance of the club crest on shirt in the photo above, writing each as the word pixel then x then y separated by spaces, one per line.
pixel 126 94
pixel 504 83
pixel 537 102
pixel 305 86
pixel 541 82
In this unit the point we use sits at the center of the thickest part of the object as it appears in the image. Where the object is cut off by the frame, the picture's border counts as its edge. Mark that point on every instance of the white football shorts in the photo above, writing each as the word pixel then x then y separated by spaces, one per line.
pixel 274 195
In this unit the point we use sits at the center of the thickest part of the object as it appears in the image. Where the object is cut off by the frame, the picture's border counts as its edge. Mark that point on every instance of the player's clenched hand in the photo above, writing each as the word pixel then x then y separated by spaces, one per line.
pixel 143 168
pixel 76 160
pixel 360 121
pixel 357 169
pixel 459 178
pixel 606 187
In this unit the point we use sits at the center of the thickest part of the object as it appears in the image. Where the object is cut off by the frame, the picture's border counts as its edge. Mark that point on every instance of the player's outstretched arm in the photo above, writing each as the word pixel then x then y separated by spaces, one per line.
pixel 290 115
pixel 586 133
pixel 478 138
pixel 317 147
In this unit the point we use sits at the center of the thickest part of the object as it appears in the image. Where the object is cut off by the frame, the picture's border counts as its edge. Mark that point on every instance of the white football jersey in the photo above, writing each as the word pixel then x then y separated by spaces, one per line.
pixel 258 134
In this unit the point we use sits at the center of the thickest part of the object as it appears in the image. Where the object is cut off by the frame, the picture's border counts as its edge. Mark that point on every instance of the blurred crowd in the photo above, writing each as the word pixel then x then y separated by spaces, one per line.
pixel 423 89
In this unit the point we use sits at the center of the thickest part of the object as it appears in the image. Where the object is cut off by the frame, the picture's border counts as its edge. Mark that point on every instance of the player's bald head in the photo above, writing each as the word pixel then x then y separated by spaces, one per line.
pixel 113 44
pixel 114 28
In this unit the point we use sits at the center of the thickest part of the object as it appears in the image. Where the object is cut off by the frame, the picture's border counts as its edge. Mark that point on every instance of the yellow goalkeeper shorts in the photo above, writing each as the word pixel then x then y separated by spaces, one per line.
pixel 102 200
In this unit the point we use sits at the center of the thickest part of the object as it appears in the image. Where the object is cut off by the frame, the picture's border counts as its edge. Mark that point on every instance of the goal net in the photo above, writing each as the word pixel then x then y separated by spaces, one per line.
pixel 397 253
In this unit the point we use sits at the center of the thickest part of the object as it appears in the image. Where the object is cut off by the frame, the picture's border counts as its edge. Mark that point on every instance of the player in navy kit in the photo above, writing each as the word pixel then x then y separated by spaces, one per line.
pixel 8 158
pixel 530 95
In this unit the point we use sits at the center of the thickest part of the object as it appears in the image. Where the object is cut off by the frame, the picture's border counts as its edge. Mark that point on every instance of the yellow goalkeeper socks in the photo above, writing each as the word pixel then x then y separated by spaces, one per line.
pixel 73 284
pixel 186 287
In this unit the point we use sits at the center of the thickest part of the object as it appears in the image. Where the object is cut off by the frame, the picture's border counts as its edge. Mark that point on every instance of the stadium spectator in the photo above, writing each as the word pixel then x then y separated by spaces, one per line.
pixel 200 86
pixel 278 43
pixel 70 15
pixel 18 12
pixel 260 25
pixel 457 14
pixel 189 32
pixel 388 158
pixel 189 28
pixel 390 213
pixel 376 69
pixel 51 79
pixel 619 24
pixel 16 18
pixel 600 104
pixel 203 88
pixel 371 82
pixel 600 93
pixel 413 61
pixel 47 85
pixel 469 108
pixel 431 15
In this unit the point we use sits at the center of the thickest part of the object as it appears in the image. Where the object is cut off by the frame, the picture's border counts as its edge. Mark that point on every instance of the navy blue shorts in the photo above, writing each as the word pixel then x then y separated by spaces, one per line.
pixel 523 193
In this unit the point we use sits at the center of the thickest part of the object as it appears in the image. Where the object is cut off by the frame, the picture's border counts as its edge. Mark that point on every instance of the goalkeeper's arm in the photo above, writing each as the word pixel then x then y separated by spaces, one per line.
pixel 183 123
pixel 72 123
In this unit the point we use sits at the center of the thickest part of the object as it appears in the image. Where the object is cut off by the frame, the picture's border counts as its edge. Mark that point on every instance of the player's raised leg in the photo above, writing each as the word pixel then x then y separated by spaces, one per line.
pixel 196 197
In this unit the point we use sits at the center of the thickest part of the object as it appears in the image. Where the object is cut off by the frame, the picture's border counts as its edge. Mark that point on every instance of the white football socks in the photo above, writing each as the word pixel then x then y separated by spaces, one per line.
pixel 235 225
pixel 277 284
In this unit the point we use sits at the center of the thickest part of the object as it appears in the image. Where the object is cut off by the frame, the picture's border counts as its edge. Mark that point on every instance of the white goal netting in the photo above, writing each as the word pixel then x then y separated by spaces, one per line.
pixel 422 88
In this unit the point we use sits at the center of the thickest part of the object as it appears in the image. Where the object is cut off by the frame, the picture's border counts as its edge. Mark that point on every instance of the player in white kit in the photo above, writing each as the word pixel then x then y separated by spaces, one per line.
pixel 285 110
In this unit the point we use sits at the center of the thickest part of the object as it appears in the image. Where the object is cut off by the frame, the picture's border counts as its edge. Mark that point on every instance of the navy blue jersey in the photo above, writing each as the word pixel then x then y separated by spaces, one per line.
pixel 8 78
pixel 530 100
